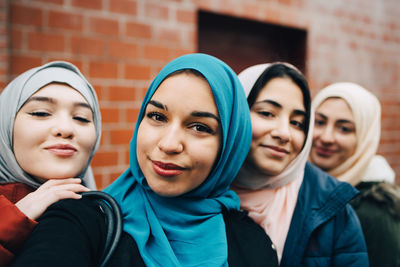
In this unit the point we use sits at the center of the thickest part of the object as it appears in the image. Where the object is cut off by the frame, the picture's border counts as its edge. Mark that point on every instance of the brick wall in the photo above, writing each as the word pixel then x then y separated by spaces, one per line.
pixel 120 45
pixel 3 43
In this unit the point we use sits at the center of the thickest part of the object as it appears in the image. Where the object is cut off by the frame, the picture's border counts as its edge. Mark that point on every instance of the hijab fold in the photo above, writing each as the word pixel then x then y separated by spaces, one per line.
pixel 271 200
pixel 14 97
pixel 367 118
pixel 188 230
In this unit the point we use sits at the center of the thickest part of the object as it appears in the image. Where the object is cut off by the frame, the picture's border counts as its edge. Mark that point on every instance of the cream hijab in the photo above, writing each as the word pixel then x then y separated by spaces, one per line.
pixel 367 117
pixel 271 200
pixel 18 92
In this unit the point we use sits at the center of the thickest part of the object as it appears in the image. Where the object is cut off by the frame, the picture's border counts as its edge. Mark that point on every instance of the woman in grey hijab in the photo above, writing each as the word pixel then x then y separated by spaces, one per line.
pixel 50 128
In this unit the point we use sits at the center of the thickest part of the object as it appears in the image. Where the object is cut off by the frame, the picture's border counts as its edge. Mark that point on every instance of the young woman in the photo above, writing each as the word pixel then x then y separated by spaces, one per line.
pixel 192 134
pixel 346 138
pixel 49 131
pixel 304 210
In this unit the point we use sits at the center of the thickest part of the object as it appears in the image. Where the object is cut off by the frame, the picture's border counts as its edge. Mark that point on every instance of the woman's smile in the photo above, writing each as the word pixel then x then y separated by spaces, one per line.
pixel 167 169
pixel 275 151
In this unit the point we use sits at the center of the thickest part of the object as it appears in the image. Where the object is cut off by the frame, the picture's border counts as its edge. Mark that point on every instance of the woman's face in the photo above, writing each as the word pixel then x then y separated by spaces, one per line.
pixel 334 139
pixel 54 133
pixel 278 118
pixel 179 137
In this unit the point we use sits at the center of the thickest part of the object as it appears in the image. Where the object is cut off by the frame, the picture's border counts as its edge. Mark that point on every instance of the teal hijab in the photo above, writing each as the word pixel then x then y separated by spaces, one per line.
pixel 189 230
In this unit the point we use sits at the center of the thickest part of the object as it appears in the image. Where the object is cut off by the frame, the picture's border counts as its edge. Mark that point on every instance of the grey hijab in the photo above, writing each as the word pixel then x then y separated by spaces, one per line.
pixel 18 92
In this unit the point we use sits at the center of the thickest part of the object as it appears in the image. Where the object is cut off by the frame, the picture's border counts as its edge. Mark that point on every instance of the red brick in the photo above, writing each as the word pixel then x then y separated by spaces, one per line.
pixel 121 93
pixel 46 42
pixel 156 52
pixel 87 46
pixel 2 85
pixel 137 72
pixel 25 15
pixel 123 50
pixel 60 2
pixel 124 6
pixel 138 30
pixel 132 114
pixel 89 4
pixel 157 11
pixel 63 20
pixel 181 52
pixel 121 137
pixel 109 115
pixel 15 39
pixel 169 35
pixel 103 69
pixel 104 26
pixel 186 16
pixel 21 63
pixel 105 158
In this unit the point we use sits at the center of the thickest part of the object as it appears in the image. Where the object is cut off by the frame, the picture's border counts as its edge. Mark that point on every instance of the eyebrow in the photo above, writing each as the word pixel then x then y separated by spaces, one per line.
pixel 201 114
pixel 158 105
pixel 322 115
pixel 198 114
pixel 53 101
pixel 276 104
pixel 339 121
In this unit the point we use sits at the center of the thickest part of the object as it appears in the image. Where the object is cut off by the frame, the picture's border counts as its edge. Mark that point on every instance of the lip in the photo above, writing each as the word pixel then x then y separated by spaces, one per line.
pixel 324 152
pixel 62 150
pixel 167 169
pixel 276 151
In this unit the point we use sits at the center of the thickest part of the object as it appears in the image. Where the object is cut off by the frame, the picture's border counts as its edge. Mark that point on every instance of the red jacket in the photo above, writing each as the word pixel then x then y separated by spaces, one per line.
pixel 15 226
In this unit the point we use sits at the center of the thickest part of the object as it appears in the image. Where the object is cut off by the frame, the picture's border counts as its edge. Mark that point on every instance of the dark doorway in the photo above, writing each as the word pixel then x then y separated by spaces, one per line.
pixel 242 43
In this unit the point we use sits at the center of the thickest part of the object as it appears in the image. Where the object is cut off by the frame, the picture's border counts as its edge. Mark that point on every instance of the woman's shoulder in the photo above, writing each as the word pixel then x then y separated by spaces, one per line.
pixel 15 191
pixel 248 244
pixel 320 187
pixel 378 198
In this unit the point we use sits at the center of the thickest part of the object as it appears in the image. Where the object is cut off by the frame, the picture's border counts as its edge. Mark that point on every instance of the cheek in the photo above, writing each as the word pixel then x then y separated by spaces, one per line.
pixel 350 143
pixel 298 140
pixel 205 155
pixel 316 133
pixel 88 137
pixel 259 126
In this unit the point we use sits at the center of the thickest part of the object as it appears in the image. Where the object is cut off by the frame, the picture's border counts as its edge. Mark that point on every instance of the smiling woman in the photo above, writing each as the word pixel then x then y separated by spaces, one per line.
pixel 49 131
pixel 62 133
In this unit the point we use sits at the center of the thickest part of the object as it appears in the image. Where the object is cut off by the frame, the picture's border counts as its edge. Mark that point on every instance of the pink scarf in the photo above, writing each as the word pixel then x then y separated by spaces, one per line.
pixel 271 200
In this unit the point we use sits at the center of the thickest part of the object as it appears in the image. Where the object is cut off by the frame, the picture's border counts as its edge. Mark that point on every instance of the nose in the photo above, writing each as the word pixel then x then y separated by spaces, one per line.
pixel 326 135
pixel 281 130
pixel 63 127
pixel 171 141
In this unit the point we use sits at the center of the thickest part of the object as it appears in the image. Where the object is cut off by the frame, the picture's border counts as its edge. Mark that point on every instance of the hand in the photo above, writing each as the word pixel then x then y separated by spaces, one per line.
pixel 34 204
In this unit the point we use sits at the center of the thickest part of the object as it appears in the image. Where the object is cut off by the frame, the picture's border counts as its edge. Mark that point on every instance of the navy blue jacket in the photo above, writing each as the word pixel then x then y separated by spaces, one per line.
pixel 325 230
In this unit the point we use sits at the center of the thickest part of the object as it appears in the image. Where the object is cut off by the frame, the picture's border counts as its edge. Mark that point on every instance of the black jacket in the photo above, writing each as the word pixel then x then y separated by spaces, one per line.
pixel 378 211
pixel 72 233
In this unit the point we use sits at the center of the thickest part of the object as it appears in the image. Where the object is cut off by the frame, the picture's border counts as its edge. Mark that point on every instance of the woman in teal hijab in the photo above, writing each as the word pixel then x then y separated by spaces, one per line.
pixel 192 135
pixel 137 200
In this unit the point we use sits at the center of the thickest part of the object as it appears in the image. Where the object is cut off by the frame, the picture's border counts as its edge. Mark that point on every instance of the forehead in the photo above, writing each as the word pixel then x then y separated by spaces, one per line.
pixel 186 90
pixel 336 108
pixel 283 91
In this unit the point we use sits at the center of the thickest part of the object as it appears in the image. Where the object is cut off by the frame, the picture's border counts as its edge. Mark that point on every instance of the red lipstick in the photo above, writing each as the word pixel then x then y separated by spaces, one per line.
pixel 167 169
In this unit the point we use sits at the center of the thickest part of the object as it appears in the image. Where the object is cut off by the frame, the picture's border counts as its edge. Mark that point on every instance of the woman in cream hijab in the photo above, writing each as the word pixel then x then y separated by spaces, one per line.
pixel 346 138
pixel 49 131
pixel 301 208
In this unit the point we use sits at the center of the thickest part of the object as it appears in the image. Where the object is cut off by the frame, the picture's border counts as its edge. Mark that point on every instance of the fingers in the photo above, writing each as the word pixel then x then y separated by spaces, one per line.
pixel 34 204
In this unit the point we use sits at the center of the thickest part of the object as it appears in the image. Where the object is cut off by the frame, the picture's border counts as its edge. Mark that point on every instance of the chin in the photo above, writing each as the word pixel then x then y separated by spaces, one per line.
pixel 56 175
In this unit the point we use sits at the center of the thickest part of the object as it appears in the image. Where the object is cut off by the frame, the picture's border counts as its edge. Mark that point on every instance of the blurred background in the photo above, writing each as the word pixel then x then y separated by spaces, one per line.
pixel 120 45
